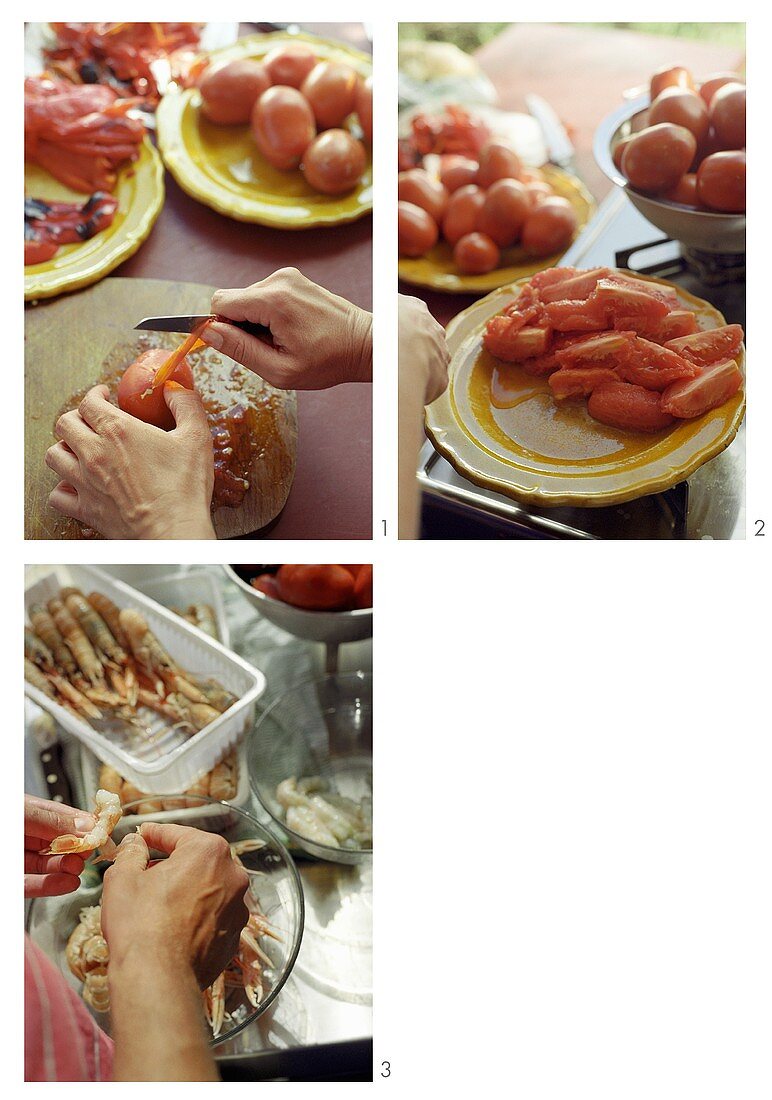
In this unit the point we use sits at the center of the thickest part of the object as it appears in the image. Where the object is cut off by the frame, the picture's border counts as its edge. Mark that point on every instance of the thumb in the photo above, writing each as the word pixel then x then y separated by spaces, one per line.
pixel 185 405
pixel 131 856
pixel 256 355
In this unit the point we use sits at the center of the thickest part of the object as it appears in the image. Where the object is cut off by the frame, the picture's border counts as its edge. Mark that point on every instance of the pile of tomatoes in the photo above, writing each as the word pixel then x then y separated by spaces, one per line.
pixel 692 150
pixel 481 206
pixel 314 587
pixel 296 105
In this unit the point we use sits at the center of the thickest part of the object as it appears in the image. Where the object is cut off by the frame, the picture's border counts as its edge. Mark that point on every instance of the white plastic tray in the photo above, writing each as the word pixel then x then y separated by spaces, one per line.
pixel 183 589
pixel 188 816
pixel 165 760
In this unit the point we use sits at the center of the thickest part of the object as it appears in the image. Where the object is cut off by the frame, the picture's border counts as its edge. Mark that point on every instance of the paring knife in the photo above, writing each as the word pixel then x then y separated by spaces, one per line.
pixel 559 145
pixel 188 323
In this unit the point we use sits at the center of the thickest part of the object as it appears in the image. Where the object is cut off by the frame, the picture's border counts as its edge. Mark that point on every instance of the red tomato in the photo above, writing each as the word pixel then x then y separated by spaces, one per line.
pixel 418 187
pixel 331 90
pixel 363 105
pixel 334 162
pixel 685 191
pixel 675 76
pixel 709 87
pixel 682 107
pixel 417 231
pixel 504 211
pixel 266 583
pixel 657 157
pixel 531 175
pixel 290 64
pixel 727 116
pixel 497 162
pixel 363 587
pixel 138 378
pixel 624 405
pixel 712 387
pixel 709 346
pixel 457 172
pixel 721 182
pixel 618 150
pixel 549 228
pixel 229 93
pixel 316 587
pixel 475 254
pixel 538 191
pixel 463 210
pixel 283 126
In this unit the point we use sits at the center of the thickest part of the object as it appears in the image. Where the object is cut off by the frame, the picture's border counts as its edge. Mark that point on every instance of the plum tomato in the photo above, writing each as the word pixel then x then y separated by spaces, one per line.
pixel 504 211
pixel 283 126
pixel 463 210
pixel 682 107
pixel 497 162
pixel 538 191
pixel 710 86
pixel 133 396
pixel 363 587
pixel 685 191
pixel 363 105
pixel 721 182
pixel 456 171
pixel 266 583
pixel 417 230
pixel 627 406
pixel 710 388
pixel 423 190
pixel 475 254
pixel 290 64
pixel 334 162
pixel 618 150
pixel 549 228
pixel 331 89
pixel 657 157
pixel 727 116
pixel 316 587
pixel 229 93
pixel 672 76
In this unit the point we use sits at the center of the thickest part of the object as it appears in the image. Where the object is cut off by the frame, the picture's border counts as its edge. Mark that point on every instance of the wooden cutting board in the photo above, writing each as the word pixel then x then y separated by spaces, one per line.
pixel 67 342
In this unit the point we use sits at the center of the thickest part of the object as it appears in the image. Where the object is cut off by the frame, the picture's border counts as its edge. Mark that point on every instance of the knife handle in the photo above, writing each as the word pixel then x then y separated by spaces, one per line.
pixel 52 762
pixel 262 332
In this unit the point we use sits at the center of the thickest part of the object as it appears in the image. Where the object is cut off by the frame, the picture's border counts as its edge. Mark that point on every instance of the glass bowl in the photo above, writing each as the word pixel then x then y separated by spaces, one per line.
pixel 323 726
pixel 276 889
pixel 704 230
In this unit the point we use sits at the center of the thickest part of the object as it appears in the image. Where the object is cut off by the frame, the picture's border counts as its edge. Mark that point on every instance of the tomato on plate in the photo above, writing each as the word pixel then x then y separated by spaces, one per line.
pixel 418 187
pixel 363 106
pixel 417 232
pixel 457 171
pixel 632 408
pixel 476 253
pixel 283 126
pixel 549 228
pixel 710 345
pixel 579 381
pixel 497 162
pixel 290 64
pixel 512 344
pixel 462 212
pixel 331 89
pixel 135 395
pixel 713 386
pixel 334 162
pixel 229 93
pixel 504 212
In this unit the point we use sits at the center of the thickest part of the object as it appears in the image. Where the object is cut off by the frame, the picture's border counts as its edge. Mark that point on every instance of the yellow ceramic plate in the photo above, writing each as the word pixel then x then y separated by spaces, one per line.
pixel 541 454
pixel 140 194
pixel 222 168
pixel 437 270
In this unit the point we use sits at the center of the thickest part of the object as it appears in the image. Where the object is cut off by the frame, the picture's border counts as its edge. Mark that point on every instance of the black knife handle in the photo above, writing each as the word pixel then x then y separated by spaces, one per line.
pixel 52 763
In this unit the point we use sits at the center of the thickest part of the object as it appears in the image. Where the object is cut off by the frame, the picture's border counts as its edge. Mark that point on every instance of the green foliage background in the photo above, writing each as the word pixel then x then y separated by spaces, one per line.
pixel 469 36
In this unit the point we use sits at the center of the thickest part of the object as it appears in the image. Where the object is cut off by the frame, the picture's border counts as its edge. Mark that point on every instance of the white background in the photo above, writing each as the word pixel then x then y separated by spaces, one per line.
pixel 573 764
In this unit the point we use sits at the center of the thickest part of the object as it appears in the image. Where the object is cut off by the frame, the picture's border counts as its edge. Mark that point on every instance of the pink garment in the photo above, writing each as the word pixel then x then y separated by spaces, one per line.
pixel 61 1040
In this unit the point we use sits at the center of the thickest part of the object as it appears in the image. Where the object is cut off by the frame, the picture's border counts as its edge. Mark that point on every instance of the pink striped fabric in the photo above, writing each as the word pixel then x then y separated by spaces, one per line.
pixel 61 1040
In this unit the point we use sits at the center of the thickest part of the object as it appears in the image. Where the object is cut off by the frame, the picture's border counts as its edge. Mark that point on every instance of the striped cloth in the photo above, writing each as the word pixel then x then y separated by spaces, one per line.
pixel 61 1040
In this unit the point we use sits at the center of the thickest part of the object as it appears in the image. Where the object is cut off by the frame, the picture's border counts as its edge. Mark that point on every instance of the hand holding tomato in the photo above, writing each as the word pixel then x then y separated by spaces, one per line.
pixel 319 339
pixel 130 480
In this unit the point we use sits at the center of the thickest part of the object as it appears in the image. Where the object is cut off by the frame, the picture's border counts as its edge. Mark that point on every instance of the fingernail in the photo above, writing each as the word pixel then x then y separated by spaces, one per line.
pixel 130 838
pixel 84 824
pixel 212 337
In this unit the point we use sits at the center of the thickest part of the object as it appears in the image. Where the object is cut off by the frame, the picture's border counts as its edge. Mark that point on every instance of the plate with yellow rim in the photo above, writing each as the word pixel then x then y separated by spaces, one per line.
pixel 499 427
pixel 221 166
pixel 437 269
pixel 140 194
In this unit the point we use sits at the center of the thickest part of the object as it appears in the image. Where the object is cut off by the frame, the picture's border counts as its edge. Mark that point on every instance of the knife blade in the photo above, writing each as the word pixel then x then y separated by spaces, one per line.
pixel 186 323
pixel 559 145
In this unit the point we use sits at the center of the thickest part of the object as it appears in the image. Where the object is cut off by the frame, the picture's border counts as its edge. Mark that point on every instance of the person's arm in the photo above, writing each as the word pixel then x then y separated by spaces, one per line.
pixel 172 927
pixel 319 339
pixel 423 376
pixel 130 480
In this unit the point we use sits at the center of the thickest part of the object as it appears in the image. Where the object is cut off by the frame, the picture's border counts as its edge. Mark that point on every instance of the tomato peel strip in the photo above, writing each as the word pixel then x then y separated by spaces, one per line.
pixel 192 343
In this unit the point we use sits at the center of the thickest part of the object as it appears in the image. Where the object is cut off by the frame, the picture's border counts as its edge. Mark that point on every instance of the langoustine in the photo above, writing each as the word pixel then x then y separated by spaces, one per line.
pixel 108 812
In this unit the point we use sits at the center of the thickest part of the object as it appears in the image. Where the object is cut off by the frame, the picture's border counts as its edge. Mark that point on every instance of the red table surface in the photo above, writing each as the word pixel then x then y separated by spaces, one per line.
pixel 582 72
pixel 331 496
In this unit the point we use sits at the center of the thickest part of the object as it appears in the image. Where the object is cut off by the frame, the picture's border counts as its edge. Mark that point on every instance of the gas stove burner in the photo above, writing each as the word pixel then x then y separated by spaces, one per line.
pixel 715 268
pixel 711 268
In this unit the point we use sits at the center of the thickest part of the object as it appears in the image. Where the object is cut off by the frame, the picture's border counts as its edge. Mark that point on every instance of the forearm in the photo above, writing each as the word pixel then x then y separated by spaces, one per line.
pixel 157 1019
